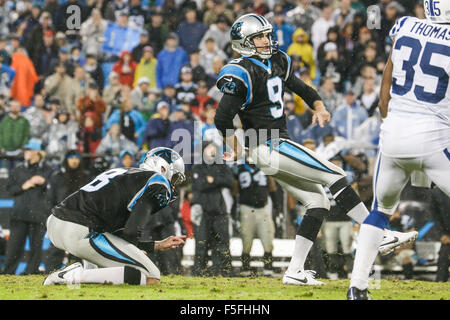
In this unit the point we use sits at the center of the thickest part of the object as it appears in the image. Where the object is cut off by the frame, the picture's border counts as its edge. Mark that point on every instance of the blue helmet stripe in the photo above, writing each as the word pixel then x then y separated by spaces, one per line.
pixel 259 19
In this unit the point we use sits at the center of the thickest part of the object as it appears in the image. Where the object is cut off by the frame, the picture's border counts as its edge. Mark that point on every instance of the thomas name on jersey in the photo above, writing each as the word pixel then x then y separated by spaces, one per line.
pixel 431 30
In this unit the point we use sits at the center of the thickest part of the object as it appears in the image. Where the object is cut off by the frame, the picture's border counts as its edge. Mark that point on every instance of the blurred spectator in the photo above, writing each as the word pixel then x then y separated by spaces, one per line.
pixel 111 91
pixel 215 9
pixel 126 159
pixel 300 46
pixel 343 14
pixel 186 88
pixel 62 136
pixel 94 69
pixel 157 32
pixel 140 97
pixel 190 31
pixel 293 123
pixel 27 184
pixel 348 116
pixel 125 68
pixel 4 54
pixel 330 97
pixel 25 79
pixel 181 119
pixel 331 66
pixel 64 57
pixel 209 215
pixel 253 187
pixel 320 27
pixel 114 8
pixel 202 100
pixel 260 7
pixel 369 97
pixel 138 13
pixel 14 132
pixel 6 77
pixel 157 129
pixel 219 31
pixel 198 72
pixel 92 33
pixel 367 72
pixel 146 67
pixel 131 122
pixel 92 102
pixel 89 136
pixel 114 142
pixel 64 182
pixel 440 209
pixel 283 31
pixel 82 79
pixel 208 53
pixel 35 116
pixel 303 15
pixel 169 95
pixel 76 56
pixel 138 51
pixel 332 36
pixel 185 211
pixel 211 77
pixel 36 36
pixel 61 86
pixel 392 11
pixel 170 61
pixel 44 54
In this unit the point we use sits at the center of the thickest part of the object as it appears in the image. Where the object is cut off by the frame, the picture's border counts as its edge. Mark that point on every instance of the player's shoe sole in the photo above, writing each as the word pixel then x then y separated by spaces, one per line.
pixel 395 239
pixel 58 277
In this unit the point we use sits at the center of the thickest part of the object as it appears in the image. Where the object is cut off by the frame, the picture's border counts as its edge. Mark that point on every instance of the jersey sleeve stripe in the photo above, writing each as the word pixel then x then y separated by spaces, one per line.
pixel 289 65
pixel 155 179
pixel 242 74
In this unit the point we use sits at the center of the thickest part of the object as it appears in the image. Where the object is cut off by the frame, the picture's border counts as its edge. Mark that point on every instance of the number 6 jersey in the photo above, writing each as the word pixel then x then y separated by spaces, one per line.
pixel 106 203
pixel 418 121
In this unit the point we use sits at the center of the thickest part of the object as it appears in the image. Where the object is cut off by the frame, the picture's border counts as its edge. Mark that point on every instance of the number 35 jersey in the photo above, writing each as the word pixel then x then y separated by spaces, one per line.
pixel 106 203
pixel 261 87
pixel 418 121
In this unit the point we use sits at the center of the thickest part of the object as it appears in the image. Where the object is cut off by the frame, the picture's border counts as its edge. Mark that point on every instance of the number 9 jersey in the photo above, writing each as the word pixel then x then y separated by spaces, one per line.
pixel 418 121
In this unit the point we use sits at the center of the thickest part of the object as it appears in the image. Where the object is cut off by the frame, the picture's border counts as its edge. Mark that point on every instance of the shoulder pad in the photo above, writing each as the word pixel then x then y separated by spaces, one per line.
pixel 397 26
pixel 235 80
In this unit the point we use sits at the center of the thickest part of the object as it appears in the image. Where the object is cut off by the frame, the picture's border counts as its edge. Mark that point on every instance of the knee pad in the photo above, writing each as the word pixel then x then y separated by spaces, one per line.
pixel 133 276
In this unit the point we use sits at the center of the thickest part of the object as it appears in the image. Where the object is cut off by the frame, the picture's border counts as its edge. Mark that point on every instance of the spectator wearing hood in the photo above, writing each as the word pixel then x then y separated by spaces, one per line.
pixel 300 46
pixel 146 67
pixel 89 136
pixel 114 142
pixel 25 78
pixel 126 158
pixel 125 68
pixel 282 31
pixel 170 61
pixel 71 177
pixel 27 184
pixel 219 31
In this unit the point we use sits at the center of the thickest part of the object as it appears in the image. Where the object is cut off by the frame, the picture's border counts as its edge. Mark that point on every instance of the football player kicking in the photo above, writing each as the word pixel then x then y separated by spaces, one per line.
pixel 415 134
pixel 253 88
pixel 103 223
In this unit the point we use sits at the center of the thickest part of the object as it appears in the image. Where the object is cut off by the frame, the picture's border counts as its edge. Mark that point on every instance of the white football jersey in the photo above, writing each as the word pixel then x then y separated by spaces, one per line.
pixel 418 121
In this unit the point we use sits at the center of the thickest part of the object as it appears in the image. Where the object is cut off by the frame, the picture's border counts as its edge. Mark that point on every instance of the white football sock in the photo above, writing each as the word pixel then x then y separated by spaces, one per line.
pixel 369 239
pixel 359 213
pixel 114 275
pixel 301 250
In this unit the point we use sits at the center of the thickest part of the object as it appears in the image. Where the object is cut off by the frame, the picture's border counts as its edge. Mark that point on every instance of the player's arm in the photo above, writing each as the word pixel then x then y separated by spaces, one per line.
pixel 311 97
pixel 229 106
pixel 385 90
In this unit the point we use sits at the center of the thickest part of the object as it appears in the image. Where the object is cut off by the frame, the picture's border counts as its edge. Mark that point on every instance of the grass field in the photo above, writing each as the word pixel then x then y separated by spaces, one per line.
pixel 191 288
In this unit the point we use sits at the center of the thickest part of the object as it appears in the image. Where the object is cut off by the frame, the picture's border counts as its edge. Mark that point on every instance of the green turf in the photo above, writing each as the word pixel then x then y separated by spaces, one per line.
pixel 191 288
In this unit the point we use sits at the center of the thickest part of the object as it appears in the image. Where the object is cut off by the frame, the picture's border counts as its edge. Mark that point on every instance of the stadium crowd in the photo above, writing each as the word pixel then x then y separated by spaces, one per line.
pixel 80 99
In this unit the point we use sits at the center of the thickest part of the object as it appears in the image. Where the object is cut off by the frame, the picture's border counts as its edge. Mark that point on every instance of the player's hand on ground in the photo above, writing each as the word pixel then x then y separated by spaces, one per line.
pixel 171 242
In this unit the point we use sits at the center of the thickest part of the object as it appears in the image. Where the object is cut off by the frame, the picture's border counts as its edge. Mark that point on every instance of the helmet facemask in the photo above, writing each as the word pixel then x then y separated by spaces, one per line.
pixel 271 48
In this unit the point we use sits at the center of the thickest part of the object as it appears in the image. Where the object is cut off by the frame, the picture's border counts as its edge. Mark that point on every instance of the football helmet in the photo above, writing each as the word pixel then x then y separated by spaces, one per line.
pixel 245 29
pixel 173 164
pixel 437 11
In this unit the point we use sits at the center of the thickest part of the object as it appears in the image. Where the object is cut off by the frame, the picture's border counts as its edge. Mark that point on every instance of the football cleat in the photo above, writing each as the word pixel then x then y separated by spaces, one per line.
pixel 301 278
pixel 63 276
pixel 394 239
pixel 355 294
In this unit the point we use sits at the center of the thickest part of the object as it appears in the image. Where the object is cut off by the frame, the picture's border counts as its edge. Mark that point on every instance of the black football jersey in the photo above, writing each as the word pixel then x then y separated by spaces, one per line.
pixel 253 190
pixel 262 87
pixel 106 203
